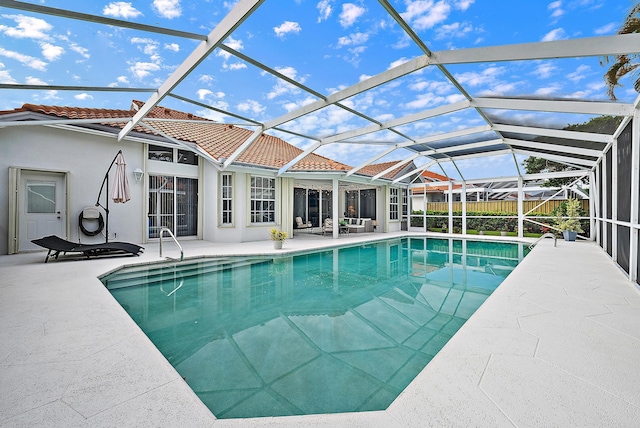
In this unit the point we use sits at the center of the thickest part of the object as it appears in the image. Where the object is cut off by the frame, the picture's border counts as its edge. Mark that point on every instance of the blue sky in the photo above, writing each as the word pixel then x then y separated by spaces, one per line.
pixel 326 45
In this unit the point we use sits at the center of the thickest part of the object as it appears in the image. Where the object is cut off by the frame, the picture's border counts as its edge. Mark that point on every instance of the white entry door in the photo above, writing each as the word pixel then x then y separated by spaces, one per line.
pixel 41 206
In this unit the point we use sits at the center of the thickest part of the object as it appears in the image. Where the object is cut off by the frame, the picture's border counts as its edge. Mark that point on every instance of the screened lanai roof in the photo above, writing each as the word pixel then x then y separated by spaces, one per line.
pixel 457 87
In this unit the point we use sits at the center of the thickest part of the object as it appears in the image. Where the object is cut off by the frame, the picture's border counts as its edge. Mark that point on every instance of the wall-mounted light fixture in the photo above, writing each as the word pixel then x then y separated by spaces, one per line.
pixel 138 173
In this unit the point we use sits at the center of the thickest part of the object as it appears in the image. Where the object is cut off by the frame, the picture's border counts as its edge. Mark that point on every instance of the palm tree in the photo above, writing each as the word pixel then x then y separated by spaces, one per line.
pixel 624 64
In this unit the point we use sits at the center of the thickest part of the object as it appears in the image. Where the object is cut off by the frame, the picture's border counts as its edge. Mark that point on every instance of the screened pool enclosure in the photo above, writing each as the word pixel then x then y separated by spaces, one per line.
pixel 475 136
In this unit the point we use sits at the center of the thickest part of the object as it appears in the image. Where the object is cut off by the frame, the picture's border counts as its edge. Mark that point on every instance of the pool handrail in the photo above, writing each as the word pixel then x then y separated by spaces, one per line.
pixel 165 229
pixel 546 235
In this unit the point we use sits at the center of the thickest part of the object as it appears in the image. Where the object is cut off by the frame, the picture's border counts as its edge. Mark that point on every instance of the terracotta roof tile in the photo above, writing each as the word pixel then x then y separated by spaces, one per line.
pixel 432 176
pixel 219 140
pixel 377 168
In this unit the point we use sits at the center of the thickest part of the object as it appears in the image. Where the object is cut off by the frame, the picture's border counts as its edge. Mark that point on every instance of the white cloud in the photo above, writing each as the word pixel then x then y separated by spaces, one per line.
pixel 251 106
pixel 203 93
pixel 556 9
pixel 290 72
pixel 425 100
pixel 556 34
pixel 121 9
pixel 435 86
pixel 80 50
pixel 51 52
pixel 51 95
pixel 424 14
pixel 287 27
pixel 83 97
pixel 457 29
pixel 500 89
pixel 143 69
pixel 235 66
pixel 398 62
pixel 606 29
pixel 282 87
pixel 172 47
pixel 544 70
pixel 122 79
pixel 350 13
pixel 235 44
pixel 206 78
pixel 30 80
pixel 464 4
pixel 579 74
pixel 167 8
pixel 5 76
pixel 27 60
pixel 324 7
pixel 353 39
pixel 546 91
pixel 486 76
pixel 28 27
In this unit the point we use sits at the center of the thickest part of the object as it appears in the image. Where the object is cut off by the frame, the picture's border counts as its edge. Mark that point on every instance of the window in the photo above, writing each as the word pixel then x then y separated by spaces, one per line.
pixel 173 203
pixel 159 153
pixel 186 157
pixel 226 198
pixel 393 204
pixel 361 203
pixel 352 201
pixel 168 154
pixel 263 200
pixel 405 203
pixel 41 197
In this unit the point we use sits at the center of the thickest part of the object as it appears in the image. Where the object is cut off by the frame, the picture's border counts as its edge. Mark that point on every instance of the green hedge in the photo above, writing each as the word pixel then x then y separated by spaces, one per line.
pixel 494 221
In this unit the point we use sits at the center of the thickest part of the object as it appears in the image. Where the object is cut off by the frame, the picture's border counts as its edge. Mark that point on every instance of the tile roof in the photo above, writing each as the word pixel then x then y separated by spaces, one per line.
pixel 377 168
pixel 219 140
pixel 432 176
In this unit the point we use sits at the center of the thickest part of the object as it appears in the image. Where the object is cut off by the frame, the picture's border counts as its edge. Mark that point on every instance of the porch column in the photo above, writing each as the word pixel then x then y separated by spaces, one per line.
pixel 335 214
pixel 424 208
pixel 463 199
pixel 614 200
pixel 635 176
pixel 450 206
pixel 605 203
pixel 520 207
pixel 592 206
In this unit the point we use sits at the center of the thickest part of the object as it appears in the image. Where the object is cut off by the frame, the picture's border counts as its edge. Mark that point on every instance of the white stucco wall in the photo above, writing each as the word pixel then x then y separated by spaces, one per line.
pixel 86 158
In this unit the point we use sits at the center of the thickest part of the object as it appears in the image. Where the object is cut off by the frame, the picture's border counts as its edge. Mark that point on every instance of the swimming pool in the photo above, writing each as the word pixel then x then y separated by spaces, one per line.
pixel 337 330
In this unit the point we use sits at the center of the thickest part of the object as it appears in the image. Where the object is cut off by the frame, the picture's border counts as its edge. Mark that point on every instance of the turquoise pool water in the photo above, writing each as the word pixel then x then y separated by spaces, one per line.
pixel 337 330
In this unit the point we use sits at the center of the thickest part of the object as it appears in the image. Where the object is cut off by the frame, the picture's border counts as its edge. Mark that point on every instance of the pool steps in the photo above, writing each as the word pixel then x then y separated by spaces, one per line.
pixel 151 274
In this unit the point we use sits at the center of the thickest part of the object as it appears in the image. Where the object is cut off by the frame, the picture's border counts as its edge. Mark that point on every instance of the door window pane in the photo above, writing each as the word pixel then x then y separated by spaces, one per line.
pixel 41 197
pixel 186 206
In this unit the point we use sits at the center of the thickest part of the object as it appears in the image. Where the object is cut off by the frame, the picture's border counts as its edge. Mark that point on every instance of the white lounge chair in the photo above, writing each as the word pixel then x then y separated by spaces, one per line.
pixel 302 225
pixel 327 227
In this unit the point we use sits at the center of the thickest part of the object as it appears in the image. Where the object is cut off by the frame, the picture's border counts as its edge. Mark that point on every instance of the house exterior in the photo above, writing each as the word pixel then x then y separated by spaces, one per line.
pixel 55 160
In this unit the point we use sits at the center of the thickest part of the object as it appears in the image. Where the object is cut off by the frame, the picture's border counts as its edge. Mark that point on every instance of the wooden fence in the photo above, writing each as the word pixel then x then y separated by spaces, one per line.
pixel 503 206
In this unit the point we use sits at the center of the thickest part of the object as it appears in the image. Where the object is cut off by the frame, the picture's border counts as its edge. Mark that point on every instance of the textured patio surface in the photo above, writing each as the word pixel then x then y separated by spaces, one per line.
pixel 556 345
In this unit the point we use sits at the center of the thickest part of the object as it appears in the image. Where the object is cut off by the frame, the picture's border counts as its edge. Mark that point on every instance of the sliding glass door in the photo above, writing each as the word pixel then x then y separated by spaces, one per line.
pixel 173 203
pixel 312 205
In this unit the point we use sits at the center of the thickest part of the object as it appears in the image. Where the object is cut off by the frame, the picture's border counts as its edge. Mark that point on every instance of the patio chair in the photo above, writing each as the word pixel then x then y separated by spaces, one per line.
pixel 57 245
pixel 327 227
pixel 301 225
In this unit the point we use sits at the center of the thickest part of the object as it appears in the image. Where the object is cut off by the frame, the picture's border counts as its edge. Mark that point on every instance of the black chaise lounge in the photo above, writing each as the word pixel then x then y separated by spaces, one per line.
pixel 57 245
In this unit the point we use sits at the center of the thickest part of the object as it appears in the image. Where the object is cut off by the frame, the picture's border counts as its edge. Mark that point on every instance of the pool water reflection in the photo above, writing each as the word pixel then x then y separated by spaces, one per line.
pixel 338 330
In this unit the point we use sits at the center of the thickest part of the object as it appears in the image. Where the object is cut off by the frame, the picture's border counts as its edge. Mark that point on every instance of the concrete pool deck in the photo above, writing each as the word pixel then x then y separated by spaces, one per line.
pixel 557 344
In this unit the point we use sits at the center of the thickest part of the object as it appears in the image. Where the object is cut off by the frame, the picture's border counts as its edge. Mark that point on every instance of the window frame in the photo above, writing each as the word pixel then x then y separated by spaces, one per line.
pixel 230 199
pixel 394 204
pixel 254 201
